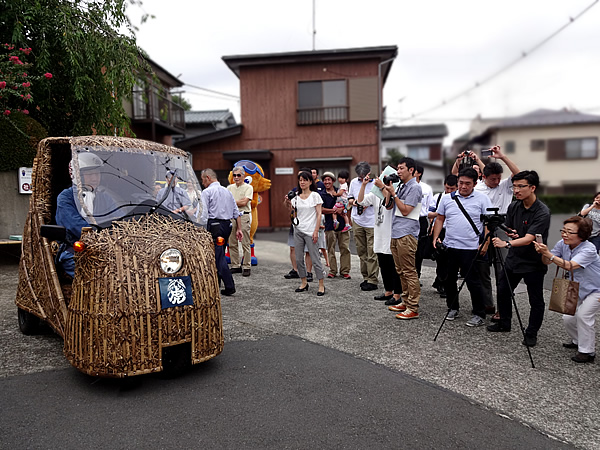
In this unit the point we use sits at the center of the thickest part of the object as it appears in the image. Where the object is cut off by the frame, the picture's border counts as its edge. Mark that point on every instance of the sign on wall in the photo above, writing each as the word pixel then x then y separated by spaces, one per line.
pixel 25 180
pixel 284 171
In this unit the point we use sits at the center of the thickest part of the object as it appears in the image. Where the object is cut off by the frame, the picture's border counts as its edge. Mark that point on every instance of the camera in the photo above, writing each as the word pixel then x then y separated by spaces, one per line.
pixel 359 209
pixel 468 159
pixel 486 152
pixel 292 194
pixel 391 178
pixel 494 220
pixel 440 249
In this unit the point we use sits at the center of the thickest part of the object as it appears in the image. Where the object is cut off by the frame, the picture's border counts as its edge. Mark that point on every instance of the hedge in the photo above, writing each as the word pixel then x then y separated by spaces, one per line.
pixel 18 149
pixel 566 204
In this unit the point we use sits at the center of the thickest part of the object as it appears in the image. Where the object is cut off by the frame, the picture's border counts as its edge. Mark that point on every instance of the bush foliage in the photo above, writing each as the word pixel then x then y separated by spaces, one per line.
pixel 16 148
pixel 566 204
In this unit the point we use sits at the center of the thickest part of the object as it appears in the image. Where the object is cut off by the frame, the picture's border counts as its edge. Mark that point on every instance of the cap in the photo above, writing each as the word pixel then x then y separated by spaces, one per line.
pixel 328 174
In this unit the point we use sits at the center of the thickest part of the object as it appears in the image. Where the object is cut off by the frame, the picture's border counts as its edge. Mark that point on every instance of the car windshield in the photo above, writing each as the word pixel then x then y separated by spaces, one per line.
pixel 113 183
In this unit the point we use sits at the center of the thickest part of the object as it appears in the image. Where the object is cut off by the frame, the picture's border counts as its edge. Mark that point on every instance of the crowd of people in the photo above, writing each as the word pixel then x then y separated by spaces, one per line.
pixel 481 223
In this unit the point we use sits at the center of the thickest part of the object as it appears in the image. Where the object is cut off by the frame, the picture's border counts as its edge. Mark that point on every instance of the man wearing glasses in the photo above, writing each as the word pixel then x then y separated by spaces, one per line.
pixel 242 194
pixel 526 216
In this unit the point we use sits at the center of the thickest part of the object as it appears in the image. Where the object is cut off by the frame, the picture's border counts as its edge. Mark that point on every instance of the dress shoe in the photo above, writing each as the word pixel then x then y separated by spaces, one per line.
pixel 393 301
pixel 228 291
pixel 497 328
pixel 363 283
pixel 246 273
pixel 302 289
pixel 309 277
pixel 369 287
pixel 383 297
pixel 530 341
pixel 583 358
pixel 321 294
pixel 570 345
pixel 236 270
pixel 292 274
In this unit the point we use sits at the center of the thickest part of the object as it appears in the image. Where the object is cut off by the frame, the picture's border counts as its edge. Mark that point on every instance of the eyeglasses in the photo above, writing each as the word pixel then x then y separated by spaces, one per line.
pixel 235 175
pixel 518 187
pixel 563 231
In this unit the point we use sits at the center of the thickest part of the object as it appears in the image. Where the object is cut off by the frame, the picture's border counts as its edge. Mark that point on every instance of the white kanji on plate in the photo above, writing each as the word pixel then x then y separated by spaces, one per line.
pixel 176 291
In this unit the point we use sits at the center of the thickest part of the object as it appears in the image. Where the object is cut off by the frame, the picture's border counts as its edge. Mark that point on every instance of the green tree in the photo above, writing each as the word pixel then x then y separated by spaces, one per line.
pixel 93 65
pixel 394 157
pixel 177 98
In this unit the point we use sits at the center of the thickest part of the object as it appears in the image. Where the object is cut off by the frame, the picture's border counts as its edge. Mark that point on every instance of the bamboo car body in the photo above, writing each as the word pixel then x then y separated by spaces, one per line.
pixel 113 321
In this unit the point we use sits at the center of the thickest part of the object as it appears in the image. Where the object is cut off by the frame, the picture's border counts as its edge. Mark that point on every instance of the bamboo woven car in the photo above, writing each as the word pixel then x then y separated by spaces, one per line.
pixel 111 317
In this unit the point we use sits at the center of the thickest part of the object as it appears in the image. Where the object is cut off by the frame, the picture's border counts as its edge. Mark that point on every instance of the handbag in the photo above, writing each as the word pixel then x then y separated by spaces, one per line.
pixel 565 294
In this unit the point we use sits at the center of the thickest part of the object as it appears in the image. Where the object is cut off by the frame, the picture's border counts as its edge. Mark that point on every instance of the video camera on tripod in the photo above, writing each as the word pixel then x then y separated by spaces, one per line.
pixel 495 220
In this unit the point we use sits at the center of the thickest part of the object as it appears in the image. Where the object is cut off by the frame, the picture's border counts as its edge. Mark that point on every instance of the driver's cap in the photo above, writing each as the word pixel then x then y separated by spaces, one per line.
pixel 89 161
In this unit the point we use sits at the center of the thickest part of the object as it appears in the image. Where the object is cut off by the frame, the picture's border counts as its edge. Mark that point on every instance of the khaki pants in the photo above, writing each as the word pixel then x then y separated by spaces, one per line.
pixel 403 251
pixel 234 252
pixel 364 239
pixel 343 241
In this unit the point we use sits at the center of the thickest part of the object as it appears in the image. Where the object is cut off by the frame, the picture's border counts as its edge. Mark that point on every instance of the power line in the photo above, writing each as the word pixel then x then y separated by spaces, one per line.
pixel 505 68
pixel 216 92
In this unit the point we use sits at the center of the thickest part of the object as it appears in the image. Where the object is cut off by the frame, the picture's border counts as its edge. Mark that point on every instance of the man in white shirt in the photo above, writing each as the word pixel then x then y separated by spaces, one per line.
pixel 242 193
pixel 426 203
pixel 363 223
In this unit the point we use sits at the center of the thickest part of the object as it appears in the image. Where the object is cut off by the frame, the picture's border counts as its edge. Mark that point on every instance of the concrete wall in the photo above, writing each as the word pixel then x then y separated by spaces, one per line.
pixel 15 206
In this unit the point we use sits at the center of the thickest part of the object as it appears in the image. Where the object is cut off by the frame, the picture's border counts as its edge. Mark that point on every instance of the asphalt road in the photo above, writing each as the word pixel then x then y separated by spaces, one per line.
pixel 301 371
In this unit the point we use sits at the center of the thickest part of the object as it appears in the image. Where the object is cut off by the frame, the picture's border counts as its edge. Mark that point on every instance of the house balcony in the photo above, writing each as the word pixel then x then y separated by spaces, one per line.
pixel 330 114
pixel 155 109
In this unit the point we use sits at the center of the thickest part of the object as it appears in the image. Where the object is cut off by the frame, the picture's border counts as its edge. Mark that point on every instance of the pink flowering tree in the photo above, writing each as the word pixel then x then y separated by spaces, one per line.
pixel 16 80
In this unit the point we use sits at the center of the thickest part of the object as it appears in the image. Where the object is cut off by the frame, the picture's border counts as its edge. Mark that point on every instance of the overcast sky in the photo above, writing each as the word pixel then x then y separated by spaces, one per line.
pixel 444 47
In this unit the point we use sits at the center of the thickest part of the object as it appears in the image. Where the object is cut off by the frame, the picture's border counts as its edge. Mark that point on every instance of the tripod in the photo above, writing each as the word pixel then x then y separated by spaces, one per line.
pixel 495 258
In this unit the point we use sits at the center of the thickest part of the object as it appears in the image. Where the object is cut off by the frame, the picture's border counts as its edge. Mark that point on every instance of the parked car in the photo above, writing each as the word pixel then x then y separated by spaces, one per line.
pixel 145 292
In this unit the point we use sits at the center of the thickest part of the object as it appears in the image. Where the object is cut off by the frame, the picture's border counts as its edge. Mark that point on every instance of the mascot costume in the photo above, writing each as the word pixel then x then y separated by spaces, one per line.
pixel 256 177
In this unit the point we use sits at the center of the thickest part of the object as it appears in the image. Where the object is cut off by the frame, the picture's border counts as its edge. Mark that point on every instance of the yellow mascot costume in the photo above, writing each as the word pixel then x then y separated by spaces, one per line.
pixel 255 173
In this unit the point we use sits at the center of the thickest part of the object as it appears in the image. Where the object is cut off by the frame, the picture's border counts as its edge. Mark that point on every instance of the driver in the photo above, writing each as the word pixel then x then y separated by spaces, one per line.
pixel 177 200
pixel 96 201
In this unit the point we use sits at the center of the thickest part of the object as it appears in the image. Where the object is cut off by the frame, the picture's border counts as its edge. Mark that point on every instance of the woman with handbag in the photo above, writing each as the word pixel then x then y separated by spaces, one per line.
pixel 593 212
pixel 307 221
pixel 575 253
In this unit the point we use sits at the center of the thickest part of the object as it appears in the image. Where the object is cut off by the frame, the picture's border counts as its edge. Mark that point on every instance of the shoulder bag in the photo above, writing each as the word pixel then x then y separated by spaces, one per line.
pixel 565 293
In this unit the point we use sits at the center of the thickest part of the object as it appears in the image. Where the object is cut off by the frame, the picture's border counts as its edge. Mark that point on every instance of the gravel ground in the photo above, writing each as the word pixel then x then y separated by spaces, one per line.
pixel 556 397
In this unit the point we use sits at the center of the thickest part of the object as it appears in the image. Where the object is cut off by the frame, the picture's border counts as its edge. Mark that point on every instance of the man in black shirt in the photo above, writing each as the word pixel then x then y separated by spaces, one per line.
pixel 527 216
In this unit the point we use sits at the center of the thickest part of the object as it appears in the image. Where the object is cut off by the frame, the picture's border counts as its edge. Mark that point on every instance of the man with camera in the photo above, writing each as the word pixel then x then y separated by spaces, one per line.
pixel 500 193
pixel 461 212
pixel 331 234
pixel 406 203
pixel 526 217
pixel 363 223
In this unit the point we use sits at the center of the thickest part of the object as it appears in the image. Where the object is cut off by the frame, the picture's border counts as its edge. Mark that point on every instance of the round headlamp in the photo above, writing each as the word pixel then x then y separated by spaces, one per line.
pixel 171 261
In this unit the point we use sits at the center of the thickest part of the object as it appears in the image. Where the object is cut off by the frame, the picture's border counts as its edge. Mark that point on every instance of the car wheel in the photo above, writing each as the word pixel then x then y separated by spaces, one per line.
pixel 28 323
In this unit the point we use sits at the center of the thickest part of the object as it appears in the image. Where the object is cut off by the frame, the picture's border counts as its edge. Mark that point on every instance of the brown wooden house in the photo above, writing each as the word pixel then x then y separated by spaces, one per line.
pixel 319 109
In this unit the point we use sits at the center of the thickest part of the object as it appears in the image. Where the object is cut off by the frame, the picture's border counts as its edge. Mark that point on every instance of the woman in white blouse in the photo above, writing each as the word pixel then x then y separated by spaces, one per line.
pixel 306 206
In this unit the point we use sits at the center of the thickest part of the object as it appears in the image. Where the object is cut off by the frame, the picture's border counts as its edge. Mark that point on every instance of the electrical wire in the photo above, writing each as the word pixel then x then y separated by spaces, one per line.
pixel 503 69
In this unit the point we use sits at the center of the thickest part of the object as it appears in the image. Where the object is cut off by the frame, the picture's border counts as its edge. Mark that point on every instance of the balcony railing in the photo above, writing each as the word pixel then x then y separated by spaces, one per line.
pixel 149 106
pixel 330 114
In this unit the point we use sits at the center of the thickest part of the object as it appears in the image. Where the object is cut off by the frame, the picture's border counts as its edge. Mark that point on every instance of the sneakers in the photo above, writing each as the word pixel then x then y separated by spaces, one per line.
pixel 335 223
pixel 397 308
pixel 292 274
pixel 475 321
pixel 331 275
pixel 346 276
pixel 408 314
pixel 570 345
pixel 246 273
pixel 236 270
pixel 346 228
pixel 452 314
